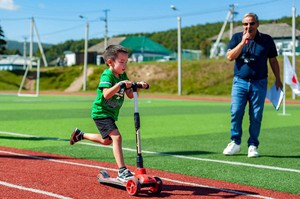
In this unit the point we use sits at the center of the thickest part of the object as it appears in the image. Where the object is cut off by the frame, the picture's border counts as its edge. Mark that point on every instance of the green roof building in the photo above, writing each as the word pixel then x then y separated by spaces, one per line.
pixel 140 48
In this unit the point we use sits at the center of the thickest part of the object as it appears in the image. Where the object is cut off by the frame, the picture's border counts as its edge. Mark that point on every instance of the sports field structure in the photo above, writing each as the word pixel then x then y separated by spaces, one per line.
pixel 182 143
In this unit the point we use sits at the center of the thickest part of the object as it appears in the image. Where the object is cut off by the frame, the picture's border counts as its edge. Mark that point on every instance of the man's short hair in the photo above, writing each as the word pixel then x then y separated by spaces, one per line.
pixel 250 14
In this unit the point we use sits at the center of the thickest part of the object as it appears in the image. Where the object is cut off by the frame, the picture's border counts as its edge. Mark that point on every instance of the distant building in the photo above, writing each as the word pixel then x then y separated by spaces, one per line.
pixel 100 47
pixel 141 48
pixel 281 34
pixel 70 58
pixel 15 62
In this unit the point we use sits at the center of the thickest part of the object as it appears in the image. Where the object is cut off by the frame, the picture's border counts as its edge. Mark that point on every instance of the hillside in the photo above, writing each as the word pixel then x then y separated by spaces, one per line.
pixel 211 77
pixel 205 77
pixel 15 45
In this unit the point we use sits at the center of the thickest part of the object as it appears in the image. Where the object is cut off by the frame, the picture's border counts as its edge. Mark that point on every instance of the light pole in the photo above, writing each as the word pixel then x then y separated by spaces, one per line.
pixel 85 51
pixel 105 27
pixel 178 50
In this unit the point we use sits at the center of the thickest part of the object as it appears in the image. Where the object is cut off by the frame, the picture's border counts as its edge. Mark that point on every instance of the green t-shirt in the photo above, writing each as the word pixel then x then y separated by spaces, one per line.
pixel 103 108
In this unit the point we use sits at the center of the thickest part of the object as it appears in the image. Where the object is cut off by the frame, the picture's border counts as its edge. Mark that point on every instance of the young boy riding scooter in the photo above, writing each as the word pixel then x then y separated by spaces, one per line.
pixel 114 84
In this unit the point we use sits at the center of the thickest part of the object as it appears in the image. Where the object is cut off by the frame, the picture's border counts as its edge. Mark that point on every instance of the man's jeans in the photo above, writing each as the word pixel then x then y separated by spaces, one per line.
pixel 253 91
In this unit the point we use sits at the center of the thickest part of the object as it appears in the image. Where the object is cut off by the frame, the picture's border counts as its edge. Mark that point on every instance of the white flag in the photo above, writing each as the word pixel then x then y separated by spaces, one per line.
pixel 290 76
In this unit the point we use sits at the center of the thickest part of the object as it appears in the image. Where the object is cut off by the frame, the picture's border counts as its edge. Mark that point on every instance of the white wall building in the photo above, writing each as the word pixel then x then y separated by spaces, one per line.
pixel 15 62
pixel 70 58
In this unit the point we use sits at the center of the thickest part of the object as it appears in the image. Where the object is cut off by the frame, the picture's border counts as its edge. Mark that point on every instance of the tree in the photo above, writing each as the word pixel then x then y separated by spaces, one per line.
pixel 2 41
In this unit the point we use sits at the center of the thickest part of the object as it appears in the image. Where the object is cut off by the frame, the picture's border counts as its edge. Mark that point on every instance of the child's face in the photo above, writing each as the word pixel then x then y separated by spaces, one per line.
pixel 118 65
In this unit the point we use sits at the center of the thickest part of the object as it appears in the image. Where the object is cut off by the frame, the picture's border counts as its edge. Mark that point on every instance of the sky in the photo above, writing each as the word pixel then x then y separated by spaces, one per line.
pixel 57 21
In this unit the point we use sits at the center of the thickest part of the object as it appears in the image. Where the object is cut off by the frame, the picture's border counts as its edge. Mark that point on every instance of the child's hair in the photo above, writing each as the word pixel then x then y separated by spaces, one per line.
pixel 111 52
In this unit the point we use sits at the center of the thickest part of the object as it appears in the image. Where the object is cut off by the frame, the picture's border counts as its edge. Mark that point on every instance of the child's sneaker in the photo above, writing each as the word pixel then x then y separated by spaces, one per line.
pixel 76 136
pixel 124 175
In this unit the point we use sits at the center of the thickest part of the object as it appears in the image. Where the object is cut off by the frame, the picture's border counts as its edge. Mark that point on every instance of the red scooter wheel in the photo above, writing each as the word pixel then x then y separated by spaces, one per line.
pixel 133 187
pixel 156 189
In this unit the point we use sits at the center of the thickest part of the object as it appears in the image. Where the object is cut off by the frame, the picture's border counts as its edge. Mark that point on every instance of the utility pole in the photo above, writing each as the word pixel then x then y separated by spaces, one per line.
pixel 229 16
pixel 85 51
pixel 105 28
pixel 231 20
pixel 32 29
pixel 179 55
pixel 24 53
pixel 31 43
pixel 40 44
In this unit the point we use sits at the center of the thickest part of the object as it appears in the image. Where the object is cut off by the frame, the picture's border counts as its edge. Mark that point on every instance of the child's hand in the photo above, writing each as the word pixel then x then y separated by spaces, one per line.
pixel 127 83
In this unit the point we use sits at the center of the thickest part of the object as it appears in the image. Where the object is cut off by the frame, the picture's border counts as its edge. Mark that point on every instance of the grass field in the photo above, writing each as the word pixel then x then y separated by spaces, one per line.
pixel 180 136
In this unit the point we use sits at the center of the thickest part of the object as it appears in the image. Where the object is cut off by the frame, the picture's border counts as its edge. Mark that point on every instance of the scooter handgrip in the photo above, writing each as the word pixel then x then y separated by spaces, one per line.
pixel 147 87
pixel 141 86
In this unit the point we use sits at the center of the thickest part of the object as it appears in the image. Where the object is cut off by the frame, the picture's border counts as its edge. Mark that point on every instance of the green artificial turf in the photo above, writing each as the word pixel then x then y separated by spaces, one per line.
pixel 187 136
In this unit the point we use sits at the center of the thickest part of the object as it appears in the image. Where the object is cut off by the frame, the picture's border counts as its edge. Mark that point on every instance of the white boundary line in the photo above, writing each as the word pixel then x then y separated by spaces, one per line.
pixel 33 190
pixel 202 159
pixel 176 156
pixel 106 168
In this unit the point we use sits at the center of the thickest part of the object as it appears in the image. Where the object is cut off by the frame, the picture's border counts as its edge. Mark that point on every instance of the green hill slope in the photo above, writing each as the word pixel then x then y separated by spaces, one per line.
pixel 15 45
pixel 204 77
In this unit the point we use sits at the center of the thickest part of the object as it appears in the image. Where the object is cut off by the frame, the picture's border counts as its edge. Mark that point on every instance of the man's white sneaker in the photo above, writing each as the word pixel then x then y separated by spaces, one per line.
pixel 232 148
pixel 252 152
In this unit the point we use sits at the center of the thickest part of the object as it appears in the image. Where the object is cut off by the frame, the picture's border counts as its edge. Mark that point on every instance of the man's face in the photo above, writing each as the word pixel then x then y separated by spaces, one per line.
pixel 250 25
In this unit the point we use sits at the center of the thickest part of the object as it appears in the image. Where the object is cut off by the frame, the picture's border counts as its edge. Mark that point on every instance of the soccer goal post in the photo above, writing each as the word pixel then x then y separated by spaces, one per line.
pixel 34 79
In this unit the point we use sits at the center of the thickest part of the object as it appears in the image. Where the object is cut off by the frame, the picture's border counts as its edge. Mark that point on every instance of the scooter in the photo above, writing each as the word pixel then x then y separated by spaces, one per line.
pixel 140 179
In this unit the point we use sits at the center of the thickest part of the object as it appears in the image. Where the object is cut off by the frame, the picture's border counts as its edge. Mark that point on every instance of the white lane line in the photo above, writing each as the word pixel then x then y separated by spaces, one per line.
pixel 216 188
pixel 171 155
pixel 165 179
pixel 16 134
pixel 33 190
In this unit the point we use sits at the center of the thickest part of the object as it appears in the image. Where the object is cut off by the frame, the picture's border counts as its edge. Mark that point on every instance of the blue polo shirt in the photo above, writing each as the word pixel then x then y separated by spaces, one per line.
pixel 252 62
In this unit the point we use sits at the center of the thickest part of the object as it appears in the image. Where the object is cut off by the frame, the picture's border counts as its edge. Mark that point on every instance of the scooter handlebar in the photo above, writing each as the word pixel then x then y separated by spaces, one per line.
pixel 136 85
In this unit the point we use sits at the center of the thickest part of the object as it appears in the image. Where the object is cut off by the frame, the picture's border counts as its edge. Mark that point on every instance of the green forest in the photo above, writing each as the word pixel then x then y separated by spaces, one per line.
pixel 193 37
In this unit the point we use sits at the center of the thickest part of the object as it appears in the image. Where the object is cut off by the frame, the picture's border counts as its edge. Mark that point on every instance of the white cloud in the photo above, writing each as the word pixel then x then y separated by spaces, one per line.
pixel 8 5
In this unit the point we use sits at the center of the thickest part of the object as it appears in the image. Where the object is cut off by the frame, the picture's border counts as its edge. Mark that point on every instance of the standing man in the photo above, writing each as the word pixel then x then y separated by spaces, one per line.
pixel 251 50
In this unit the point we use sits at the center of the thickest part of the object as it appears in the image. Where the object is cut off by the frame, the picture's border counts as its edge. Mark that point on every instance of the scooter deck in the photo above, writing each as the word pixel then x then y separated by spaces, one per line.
pixel 104 178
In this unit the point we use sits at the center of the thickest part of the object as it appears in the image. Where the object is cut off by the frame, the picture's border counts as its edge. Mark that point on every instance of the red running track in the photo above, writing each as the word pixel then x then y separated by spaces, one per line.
pixel 30 174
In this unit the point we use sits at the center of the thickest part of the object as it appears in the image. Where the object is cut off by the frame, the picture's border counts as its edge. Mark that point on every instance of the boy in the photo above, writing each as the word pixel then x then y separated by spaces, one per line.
pixel 113 85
